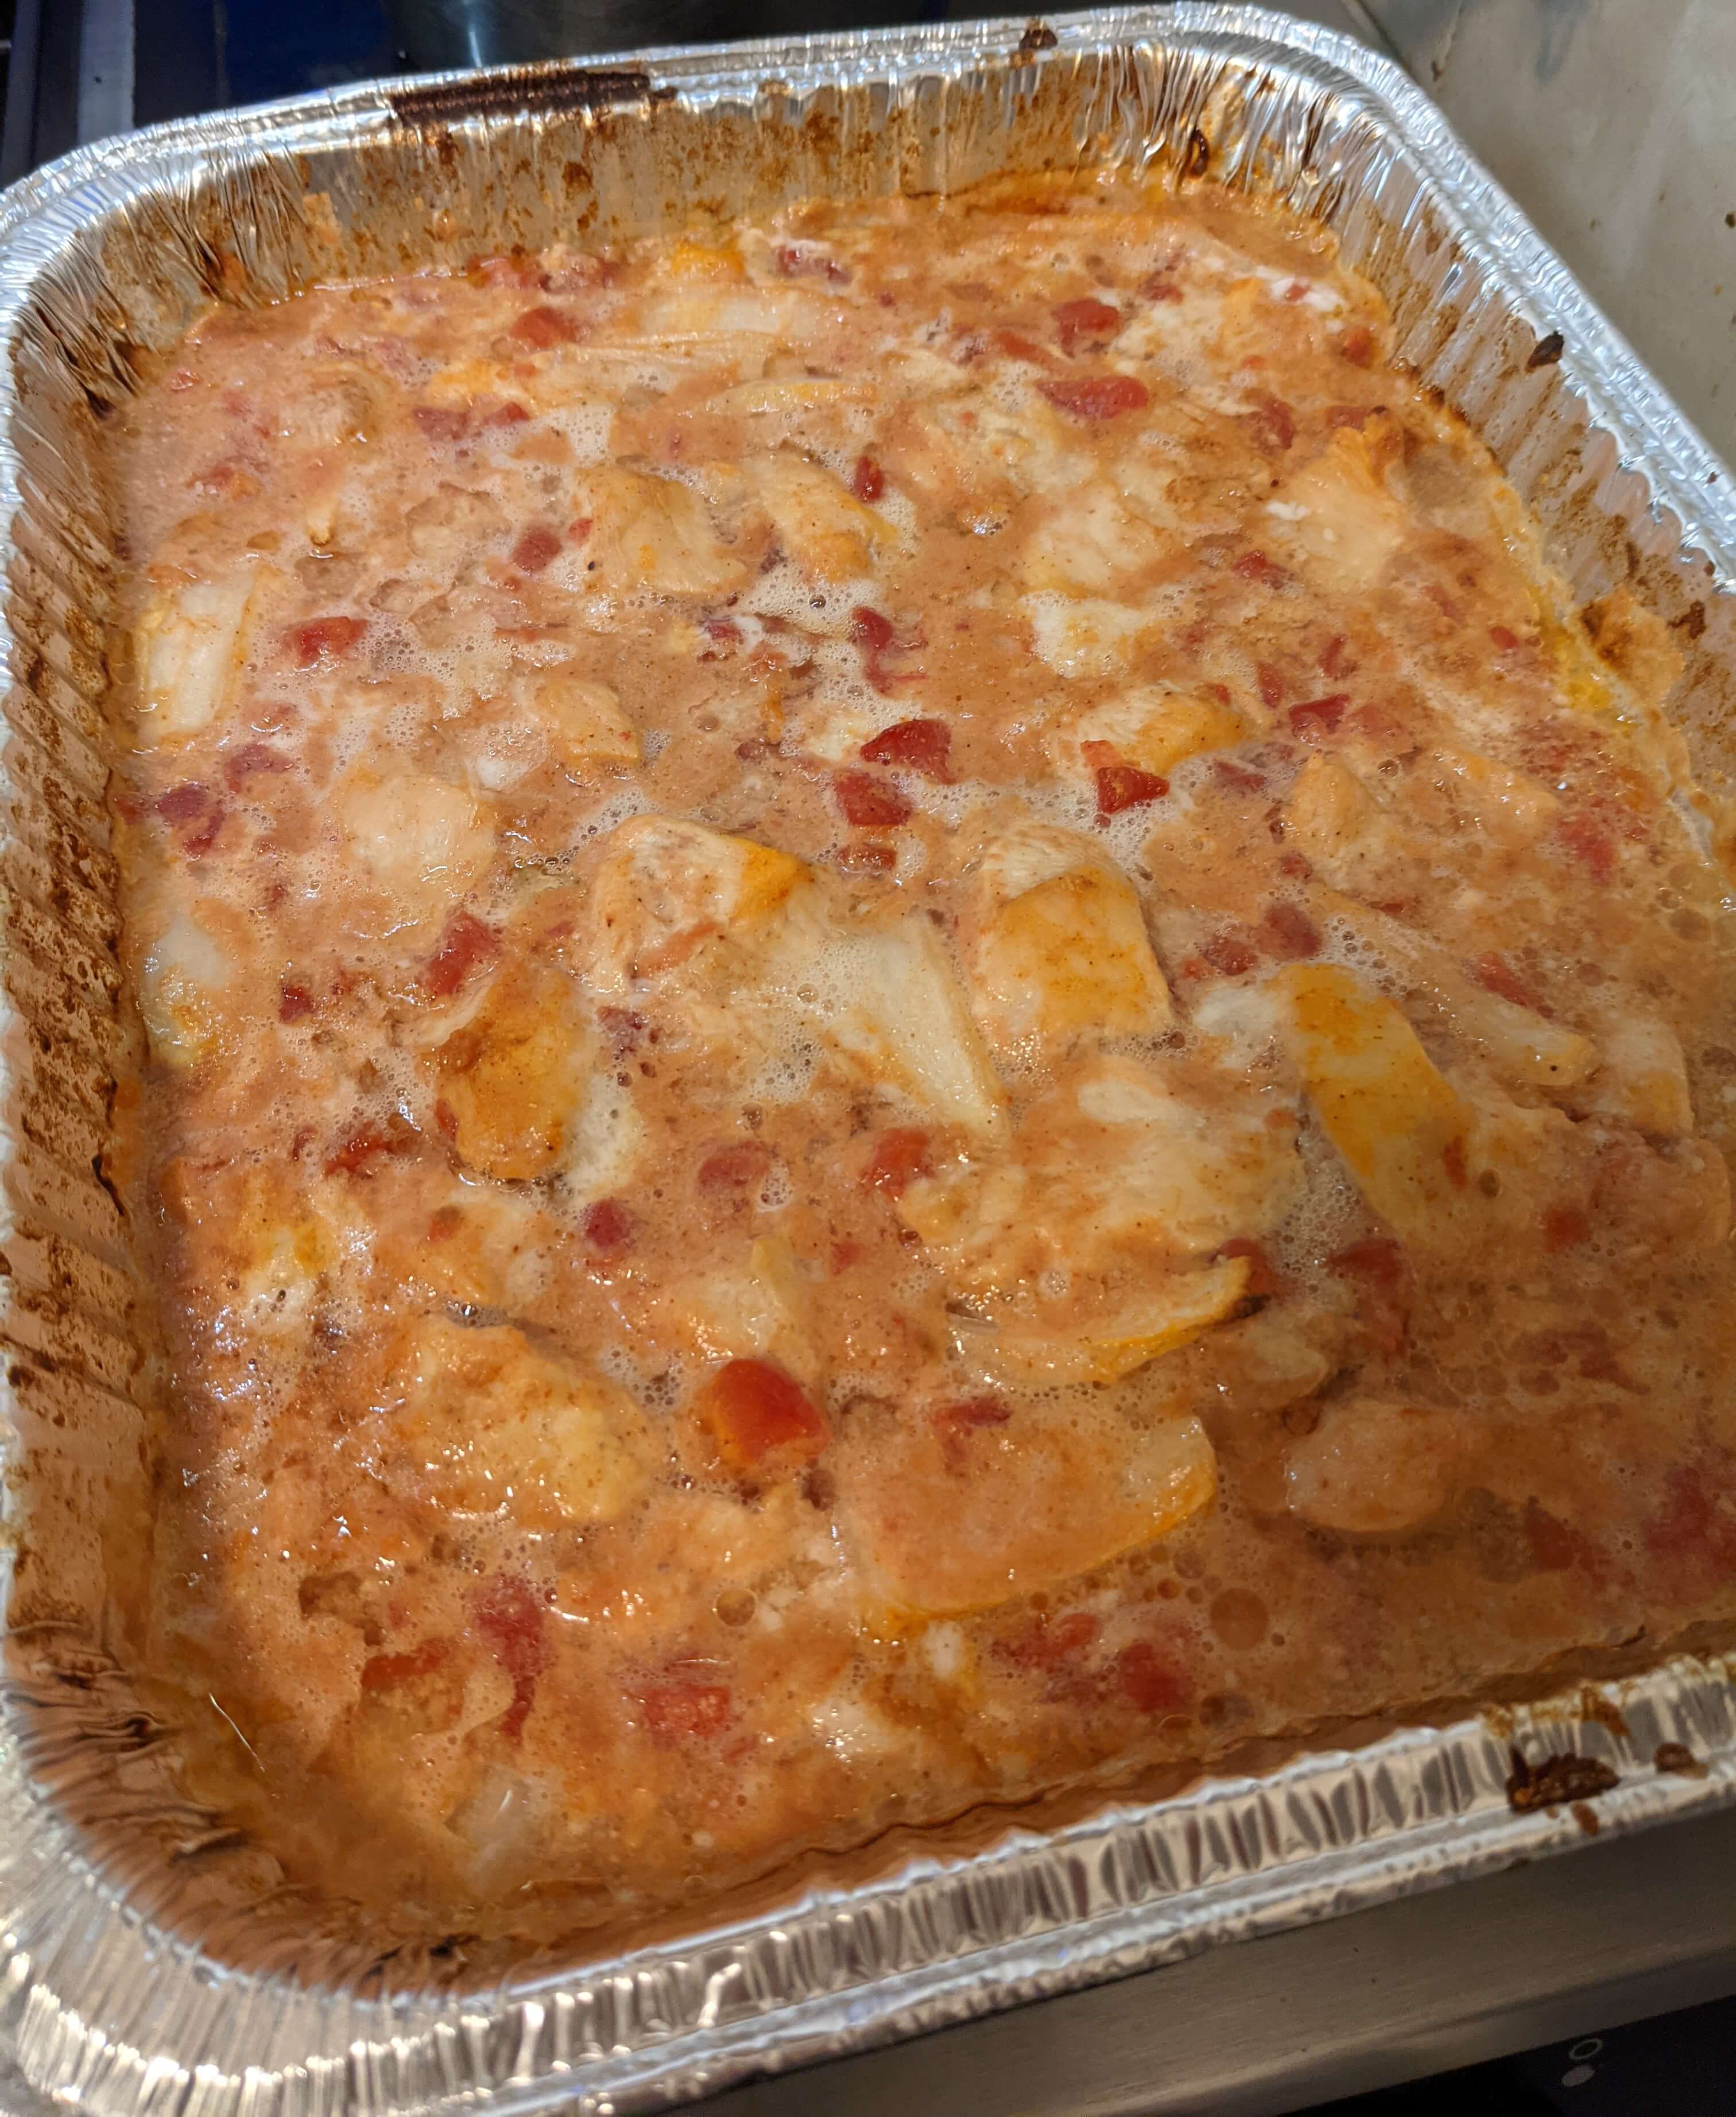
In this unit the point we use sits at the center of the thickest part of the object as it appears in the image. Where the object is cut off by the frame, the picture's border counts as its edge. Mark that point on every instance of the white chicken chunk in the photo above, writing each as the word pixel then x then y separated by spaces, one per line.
pixel 415 845
pixel 664 886
pixel 1372 1468
pixel 1086 544
pixel 186 647
pixel 1085 636
pixel 187 980
pixel 658 534
pixel 1057 949
pixel 1348 832
pixel 1339 523
pixel 585 721
pixel 828 532
pixel 1156 726
pixel 1643 1078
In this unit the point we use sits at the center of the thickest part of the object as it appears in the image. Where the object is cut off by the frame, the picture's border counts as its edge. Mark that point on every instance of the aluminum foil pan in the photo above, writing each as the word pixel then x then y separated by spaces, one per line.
pixel 151 1960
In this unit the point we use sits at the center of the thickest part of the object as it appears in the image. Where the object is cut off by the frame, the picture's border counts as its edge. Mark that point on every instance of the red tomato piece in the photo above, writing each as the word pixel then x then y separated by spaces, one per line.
pixel 1127 786
pixel 1694 1531
pixel 1357 345
pixel 608 1227
pixel 1288 932
pixel 1087 322
pixel 732 1167
pixel 1241 778
pixel 918 746
pixel 293 1003
pixel 624 1027
pixel 185 803
pixel 368 1144
pixel 1565 1228
pixel 871 629
pixel 545 325
pixel 1334 661
pixel 535 548
pixel 250 758
pixel 389 1671
pixel 868 480
pixel 677 1713
pixel 1348 415
pixel 1377 1265
pixel 1274 426
pixel 1150 1681
pixel 868 803
pixel 325 639
pixel 1557 1547
pixel 1316 719
pixel 1161 287
pixel 508 414
pixel 1097 396
pixel 1503 637
pixel 1271 682
pixel 1590 844
pixel 1255 566
pixel 511 1616
pixel 440 423
pixel 1493 971
pixel 896 1159
pixel 1229 954
pixel 466 943
pixel 754 1410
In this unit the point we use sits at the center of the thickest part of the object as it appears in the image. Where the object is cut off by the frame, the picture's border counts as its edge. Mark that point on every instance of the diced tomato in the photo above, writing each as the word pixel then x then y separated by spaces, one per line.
pixel 251 758
pixel 1334 661
pixel 1263 1273
pixel 464 946
pixel 1493 971
pixel 971 1412
pixel 293 1003
pixel 325 639
pixel 1255 566
pixel 845 1255
pixel 868 803
pixel 1018 347
pixel 511 1616
pixel 918 746
pixel 1557 1547
pixel 1316 719
pixel 1348 415
pixel 184 803
pixel 871 629
pixel 535 547
pixel 868 857
pixel 1288 932
pixel 1151 1681
pixel 1097 396
pixel 1127 786
pixel 897 1158
pixel 1357 345
pixel 1229 954
pixel 545 325
pixel 444 1222
pixel 868 480
pixel 1590 844
pixel 1241 778
pixel 368 1144
pixel 1274 426
pixel 1693 1533
pixel 1503 637
pixel 608 1227
pixel 677 1713
pixel 754 1411
pixel 1087 321
pixel 441 424
pixel 1161 287
pixel 1565 1228
pixel 1377 1265
pixel 1271 682
pixel 728 1170
pixel 508 414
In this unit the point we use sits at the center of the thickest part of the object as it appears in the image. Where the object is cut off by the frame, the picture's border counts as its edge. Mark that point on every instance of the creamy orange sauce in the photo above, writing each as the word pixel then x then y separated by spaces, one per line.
pixel 918 1023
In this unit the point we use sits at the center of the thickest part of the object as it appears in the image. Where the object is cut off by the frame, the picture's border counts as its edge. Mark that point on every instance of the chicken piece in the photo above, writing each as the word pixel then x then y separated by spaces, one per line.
pixel 1403 1129
pixel 510 1083
pixel 664 886
pixel 1155 727
pixel 1087 544
pixel 1169 1311
pixel 1335 518
pixel 452 526
pixel 1348 832
pixel 887 996
pixel 1512 807
pixel 189 984
pixel 1029 1500
pixel 656 533
pixel 187 647
pixel 1057 949
pixel 1372 1468
pixel 586 721
pixel 828 532
pixel 482 1423
pixel 1636 643
pixel 971 457
pixel 758 1308
pixel 1086 636
pixel 1643 1078
pixel 420 841
pixel 1524 1048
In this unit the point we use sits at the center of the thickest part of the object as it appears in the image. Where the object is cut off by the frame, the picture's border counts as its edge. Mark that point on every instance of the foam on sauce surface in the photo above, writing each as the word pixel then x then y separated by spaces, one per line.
pixel 919 1022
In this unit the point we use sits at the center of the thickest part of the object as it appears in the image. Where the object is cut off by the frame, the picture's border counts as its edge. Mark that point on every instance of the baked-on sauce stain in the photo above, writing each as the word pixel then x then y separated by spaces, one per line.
pixel 919 1022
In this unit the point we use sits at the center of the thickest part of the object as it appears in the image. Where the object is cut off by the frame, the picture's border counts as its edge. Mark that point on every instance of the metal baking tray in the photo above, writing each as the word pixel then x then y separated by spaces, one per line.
pixel 151 1959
